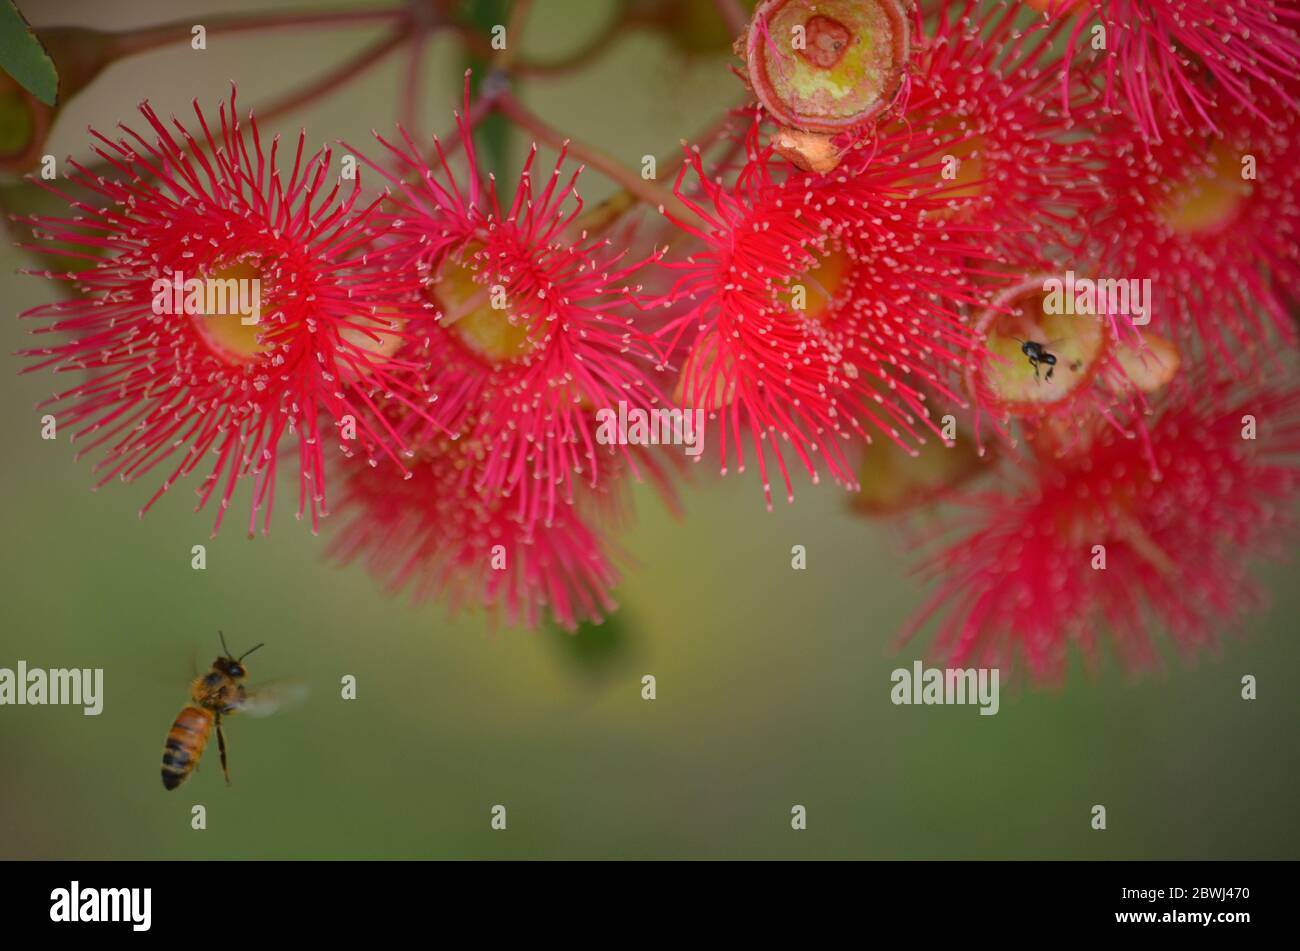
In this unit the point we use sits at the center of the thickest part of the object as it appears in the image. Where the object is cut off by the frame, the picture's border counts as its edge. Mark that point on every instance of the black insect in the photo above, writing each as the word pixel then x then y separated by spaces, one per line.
pixel 1038 355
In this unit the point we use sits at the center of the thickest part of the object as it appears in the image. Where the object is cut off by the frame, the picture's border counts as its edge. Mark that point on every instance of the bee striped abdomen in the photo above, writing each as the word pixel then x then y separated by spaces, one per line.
pixel 185 742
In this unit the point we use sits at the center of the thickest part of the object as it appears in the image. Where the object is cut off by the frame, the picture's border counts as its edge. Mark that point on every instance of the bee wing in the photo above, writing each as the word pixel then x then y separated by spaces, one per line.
pixel 266 699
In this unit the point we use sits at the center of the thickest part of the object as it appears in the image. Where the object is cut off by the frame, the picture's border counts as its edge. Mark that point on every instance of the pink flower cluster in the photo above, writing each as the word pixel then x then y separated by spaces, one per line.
pixel 859 284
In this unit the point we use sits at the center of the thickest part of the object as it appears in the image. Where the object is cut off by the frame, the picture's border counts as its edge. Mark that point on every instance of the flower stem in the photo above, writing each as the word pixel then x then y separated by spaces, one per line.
pixel 613 207
pixel 321 86
pixel 409 109
pixel 514 35
pixel 131 42
pixel 588 52
pixel 522 66
pixel 337 77
pixel 646 191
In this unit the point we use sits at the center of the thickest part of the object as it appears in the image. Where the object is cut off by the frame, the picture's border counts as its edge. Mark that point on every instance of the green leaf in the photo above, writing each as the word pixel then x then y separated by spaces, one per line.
pixel 23 56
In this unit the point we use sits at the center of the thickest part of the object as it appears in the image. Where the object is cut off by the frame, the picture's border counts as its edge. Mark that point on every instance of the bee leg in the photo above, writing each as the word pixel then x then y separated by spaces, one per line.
pixel 221 747
pixel 1049 372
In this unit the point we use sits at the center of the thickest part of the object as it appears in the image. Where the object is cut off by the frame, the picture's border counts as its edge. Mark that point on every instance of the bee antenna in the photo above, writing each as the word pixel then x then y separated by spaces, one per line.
pixel 250 650
pixel 222 635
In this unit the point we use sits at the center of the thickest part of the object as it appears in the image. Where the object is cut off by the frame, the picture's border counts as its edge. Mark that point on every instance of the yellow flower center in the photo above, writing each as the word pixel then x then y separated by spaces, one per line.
pixel 227 301
pixel 1209 199
pixel 479 315
pixel 962 161
pixel 1066 344
pixel 378 336
pixel 813 293
pixel 960 156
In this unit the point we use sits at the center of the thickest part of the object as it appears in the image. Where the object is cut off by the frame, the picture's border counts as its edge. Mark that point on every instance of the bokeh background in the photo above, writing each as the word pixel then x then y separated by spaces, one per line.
pixel 773 684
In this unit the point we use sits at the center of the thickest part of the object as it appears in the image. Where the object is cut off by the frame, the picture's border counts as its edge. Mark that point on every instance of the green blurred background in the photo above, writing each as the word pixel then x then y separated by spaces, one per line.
pixel 773 684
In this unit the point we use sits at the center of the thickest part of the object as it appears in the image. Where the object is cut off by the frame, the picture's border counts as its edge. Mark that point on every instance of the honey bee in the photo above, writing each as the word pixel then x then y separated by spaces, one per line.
pixel 220 692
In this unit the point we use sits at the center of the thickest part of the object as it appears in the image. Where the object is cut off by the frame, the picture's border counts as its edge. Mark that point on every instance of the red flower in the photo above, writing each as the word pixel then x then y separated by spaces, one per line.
pixel 1026 582
pixel 1191 62
pixel 305 332
pixel 982 105
pixel 1214 224
pixel 819 307
pixel 530 342
pixel 435 534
